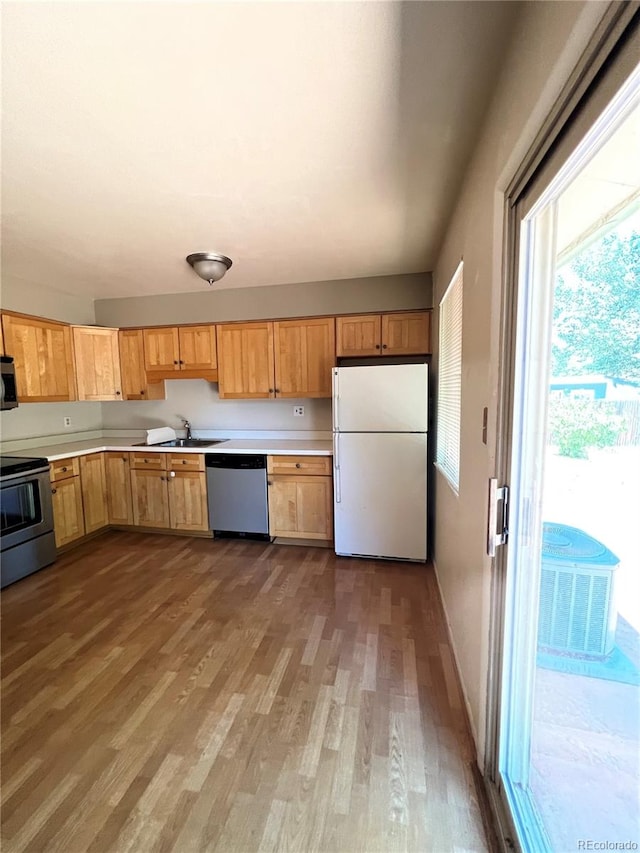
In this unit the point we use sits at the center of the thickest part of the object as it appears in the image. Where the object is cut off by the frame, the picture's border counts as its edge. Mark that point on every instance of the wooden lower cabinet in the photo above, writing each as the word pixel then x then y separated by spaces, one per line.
pixel 301 506
pixel 149 497
pixel 188 500
pixel 173 498
pixel 94 492
pixel 119 505
pixel 68 515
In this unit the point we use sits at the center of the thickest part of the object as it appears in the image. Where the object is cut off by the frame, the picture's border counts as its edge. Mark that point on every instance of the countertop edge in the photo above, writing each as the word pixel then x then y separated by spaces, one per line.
pixel 267 448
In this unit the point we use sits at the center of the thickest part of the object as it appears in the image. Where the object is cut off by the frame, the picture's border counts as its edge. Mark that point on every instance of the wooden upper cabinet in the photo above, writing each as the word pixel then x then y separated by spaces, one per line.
pixel 197 347
pixel 43 356
pixel 245 360
pixel 93 478
pixel 97 362
pixel 384 334
pixel 134 377
pixel 406 334
pixel 358 335
pixel 161 350
pixel 304 352
pixel 174 352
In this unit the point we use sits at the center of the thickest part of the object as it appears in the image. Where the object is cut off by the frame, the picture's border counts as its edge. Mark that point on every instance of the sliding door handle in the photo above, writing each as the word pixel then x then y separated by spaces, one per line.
pixel 497 522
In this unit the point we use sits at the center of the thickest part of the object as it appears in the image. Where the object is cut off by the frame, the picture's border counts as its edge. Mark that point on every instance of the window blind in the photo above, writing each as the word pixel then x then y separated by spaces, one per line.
pixel 450 381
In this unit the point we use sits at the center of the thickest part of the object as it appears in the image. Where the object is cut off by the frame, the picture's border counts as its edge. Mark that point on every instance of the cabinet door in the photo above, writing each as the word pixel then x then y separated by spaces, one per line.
pixel 43 358
pixel 93 479
pixel 197 348
pixel 132 370
pixel 304 352
pixel 301 507
pixel 149 497
pixel 358 335
pixel 97 362
pixel 118 488
pixel 161 350
pixel 245 360
pixel 406 334
pixel 188 500
pixel 68 518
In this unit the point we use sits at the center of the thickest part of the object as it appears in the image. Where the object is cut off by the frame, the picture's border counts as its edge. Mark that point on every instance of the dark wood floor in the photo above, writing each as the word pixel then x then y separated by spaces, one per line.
pixel 164 693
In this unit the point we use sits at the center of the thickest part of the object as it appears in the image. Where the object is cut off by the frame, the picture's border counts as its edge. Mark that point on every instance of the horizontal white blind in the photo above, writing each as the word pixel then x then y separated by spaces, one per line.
pixel 450 381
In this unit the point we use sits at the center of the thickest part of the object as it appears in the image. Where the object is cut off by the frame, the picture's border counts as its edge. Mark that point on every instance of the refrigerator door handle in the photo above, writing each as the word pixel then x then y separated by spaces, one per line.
pixel 336 399
pixel 336 465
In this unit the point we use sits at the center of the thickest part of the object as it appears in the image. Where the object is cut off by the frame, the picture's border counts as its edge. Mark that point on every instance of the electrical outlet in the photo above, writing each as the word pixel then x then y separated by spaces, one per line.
pixel 67 422
pixel 298 411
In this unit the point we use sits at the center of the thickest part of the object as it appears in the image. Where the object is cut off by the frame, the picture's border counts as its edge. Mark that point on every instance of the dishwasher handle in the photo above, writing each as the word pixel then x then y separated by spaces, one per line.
pixel 235 460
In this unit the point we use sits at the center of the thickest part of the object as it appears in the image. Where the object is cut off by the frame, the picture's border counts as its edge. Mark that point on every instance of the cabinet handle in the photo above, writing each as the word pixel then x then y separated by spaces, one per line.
pixel 64 469
pixel 298 465
pixel 377 346
pixel 384 346
pixel 175 362
pixel 184 461
pixel 181 361
pixel 269 483
pixel 117 393
pixel 54 491
pixel 171 475
pixel 277 390
pixel 141 391
pixel 271 390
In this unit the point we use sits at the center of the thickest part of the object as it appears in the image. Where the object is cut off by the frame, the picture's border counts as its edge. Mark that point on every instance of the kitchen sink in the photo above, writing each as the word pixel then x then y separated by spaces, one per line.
pixel 185 442
pixel 191 442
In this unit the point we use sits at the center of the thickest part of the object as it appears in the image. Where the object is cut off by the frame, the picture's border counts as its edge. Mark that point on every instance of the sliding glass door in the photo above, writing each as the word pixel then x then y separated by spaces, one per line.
pixel 568 742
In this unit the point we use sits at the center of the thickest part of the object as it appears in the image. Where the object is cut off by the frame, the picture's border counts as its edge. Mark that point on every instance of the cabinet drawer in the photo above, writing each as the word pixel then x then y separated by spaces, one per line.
pixel 185 462
pixel 149 461
pixel 314 465
pixel 64 468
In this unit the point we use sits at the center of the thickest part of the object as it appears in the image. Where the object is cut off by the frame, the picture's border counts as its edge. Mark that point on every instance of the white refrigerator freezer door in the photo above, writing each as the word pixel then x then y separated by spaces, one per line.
pixel 380 398
pixel 380 492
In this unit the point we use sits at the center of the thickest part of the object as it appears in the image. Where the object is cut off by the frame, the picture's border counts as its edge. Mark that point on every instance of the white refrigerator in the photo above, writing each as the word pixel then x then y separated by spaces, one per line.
pixel 380 461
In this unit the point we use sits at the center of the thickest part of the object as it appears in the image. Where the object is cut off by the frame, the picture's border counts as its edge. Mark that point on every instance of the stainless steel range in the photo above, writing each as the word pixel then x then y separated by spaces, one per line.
pixel 26 514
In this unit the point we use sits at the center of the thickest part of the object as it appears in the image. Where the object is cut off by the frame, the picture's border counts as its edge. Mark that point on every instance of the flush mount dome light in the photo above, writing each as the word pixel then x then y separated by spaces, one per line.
pixel 209 265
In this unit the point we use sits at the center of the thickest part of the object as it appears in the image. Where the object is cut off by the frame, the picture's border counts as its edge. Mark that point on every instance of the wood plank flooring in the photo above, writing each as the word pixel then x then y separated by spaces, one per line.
pixel 164 693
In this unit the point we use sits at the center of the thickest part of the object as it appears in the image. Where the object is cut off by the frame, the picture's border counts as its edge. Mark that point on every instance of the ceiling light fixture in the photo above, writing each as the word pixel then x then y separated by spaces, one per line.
pixel 209 265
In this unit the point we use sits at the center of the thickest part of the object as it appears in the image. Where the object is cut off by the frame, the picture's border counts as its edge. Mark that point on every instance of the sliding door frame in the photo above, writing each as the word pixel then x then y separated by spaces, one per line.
pixel 588 90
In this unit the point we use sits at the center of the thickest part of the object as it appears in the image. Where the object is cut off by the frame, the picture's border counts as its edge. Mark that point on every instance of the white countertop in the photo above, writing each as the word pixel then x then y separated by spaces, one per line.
pixel 269 447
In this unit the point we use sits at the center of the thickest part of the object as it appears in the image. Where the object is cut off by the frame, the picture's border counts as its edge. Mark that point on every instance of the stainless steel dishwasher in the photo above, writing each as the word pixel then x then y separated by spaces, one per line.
pixel 237 495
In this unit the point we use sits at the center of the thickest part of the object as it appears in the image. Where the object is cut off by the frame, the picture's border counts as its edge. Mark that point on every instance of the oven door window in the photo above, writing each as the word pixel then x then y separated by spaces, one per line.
pixel 20 506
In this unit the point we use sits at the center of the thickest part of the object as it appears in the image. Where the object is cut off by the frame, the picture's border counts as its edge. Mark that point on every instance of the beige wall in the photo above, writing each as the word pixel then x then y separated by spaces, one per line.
pixel 547 43
pixel 31 420
pixel 382 293
pixel 198 401
pixel 31 298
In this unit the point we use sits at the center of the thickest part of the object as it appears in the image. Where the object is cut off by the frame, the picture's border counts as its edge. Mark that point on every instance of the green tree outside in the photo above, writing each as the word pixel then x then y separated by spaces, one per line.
pixel 596 312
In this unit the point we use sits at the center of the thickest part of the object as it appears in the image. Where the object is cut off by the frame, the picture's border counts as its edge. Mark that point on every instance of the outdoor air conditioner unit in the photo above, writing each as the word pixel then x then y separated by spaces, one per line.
pixel 577 609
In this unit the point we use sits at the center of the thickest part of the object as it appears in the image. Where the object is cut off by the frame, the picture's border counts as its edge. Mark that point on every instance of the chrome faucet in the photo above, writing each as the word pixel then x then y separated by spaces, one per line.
pixel 187 426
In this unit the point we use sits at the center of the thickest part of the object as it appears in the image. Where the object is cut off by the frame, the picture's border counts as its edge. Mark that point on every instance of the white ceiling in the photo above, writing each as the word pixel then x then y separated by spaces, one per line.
pixel 308 141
